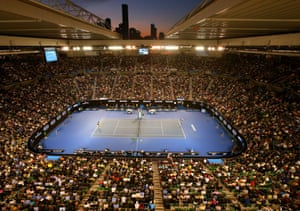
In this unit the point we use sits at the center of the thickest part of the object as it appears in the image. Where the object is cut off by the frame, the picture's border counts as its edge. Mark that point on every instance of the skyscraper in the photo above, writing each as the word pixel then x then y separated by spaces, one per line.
pixel 153 31
pixel 125 24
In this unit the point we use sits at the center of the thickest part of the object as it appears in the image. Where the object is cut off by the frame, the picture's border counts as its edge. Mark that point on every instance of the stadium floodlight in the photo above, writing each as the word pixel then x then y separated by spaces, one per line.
pixel 65 48
pixel 76 48
pixel 186 46
pixel 87 48
pixel 156 47
pixel 221 48
pixel 171 47
pixel 199 48
pixel 114 48
pixel 130 47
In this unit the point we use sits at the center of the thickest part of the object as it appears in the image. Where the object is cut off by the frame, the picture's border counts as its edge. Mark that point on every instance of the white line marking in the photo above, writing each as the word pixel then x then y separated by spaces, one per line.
pixel 193 128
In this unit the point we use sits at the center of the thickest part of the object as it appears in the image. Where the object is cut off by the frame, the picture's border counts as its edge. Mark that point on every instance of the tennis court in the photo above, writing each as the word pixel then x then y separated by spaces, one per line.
pixel 139 128
pixel 165 131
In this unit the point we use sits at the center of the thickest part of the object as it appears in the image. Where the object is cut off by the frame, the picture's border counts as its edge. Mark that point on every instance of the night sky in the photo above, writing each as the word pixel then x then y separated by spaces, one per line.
pixel 163 13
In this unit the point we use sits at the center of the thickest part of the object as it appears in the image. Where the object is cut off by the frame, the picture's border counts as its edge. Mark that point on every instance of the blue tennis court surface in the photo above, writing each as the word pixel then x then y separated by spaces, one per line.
pixel 165 131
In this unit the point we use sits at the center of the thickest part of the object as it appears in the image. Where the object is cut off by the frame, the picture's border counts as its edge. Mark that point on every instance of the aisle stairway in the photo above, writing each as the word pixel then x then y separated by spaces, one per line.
pixel 172 89
pixel 93 187
pixel 191 88
pixel 77 87
pixel 94 88
pixel 158 200
pixel 229 195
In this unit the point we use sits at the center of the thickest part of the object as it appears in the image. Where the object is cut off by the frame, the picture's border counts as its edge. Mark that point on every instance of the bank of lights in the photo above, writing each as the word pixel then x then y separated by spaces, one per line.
pixel 115 48
pixel 166 47
pixel 209 48
pixel 156 47
pixel 171 47
pixel 65 48
pixel 87 48
pixel 199 48
pixel 76 48
pixel 130 47
pixel 221 48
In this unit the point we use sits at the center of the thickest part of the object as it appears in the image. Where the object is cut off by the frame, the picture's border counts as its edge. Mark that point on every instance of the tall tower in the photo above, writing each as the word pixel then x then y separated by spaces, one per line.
pixel 125 24
pixel 153 31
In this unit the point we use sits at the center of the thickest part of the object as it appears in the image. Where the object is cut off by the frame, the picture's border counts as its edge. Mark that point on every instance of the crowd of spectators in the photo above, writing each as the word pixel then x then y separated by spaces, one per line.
pixel 186 183
pixel 258 95
pixel 126 184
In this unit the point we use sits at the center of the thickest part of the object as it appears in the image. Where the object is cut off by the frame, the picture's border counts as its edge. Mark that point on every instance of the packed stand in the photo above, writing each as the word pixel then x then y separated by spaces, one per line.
pixel 186 184
pixel 256 94
pixel 126 184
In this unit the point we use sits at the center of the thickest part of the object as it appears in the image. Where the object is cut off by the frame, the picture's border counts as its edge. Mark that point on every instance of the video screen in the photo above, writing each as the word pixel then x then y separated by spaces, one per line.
pixel 143 51
pixel 50 54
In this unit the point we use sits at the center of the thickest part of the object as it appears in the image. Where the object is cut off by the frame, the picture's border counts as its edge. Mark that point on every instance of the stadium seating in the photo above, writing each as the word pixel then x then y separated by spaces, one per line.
pixel 259 95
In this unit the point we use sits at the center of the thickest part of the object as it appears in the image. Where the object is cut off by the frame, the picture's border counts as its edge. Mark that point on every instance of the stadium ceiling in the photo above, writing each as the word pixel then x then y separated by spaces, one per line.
pixel 225 19
pixel 230 23
pixel 34 19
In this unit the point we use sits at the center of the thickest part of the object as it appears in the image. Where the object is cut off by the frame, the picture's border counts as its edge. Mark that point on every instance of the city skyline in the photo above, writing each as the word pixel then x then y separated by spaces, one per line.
pixel 163 14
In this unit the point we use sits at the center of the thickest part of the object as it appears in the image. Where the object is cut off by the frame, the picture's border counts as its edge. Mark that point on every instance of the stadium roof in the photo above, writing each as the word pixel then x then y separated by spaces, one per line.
pixel 225 22
pixel 57 21
pixel 224 19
